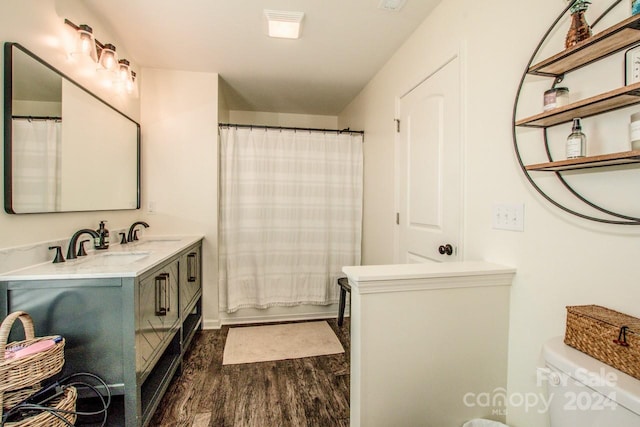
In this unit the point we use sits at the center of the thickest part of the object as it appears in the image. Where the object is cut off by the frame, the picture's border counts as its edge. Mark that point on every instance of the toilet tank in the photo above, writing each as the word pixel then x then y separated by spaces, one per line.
pixel 585 392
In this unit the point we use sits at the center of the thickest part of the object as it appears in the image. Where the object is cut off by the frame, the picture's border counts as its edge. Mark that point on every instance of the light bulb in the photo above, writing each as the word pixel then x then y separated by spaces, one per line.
pixel 130 86
pixel 85 44
pixel 123 79
pixel 108 58
pixel 124 72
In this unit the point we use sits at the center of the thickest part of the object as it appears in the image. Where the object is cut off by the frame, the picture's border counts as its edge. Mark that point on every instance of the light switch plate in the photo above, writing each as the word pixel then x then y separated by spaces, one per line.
pixel 508 216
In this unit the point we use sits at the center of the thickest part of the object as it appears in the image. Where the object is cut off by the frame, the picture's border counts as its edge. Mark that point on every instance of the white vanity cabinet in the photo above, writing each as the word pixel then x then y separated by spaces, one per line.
pixel 130 328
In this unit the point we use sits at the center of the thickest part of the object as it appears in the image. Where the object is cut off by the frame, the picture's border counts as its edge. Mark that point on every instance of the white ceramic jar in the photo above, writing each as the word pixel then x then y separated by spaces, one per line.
pixel 555 98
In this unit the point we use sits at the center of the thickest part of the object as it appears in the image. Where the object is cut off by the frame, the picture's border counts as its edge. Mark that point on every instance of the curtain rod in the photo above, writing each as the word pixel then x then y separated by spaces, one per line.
pixel 37 118
pixel 347 130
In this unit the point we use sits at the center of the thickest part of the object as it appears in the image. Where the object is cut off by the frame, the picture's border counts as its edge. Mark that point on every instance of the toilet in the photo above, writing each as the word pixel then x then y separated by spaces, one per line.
pixel 586 392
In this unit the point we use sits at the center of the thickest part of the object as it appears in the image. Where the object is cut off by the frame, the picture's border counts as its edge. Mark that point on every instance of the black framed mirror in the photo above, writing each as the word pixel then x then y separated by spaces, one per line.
pixel 65 149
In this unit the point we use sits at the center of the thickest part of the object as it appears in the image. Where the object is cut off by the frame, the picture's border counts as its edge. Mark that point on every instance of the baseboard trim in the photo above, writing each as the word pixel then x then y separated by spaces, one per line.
pixel 278 314
pixel 278 318
pixel 211 324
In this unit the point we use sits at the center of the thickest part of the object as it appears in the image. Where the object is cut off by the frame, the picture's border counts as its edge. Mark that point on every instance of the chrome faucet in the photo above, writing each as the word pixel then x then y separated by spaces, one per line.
pixel 133 235
pixel 71 252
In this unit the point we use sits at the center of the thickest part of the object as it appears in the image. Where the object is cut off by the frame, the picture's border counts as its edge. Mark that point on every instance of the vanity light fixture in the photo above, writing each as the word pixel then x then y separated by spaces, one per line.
pixel 124 71
pixel 85 43
pixel 108 58
pixel 125 78
pixel 105 56
pixel 283 24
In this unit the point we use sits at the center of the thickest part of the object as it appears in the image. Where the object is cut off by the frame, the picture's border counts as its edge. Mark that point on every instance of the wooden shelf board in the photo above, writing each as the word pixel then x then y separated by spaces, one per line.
pixel 605 43
pixel 625 157
pixel 612 100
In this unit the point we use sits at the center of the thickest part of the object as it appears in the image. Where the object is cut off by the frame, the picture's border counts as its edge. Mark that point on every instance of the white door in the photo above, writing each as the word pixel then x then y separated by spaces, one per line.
pixel 429 175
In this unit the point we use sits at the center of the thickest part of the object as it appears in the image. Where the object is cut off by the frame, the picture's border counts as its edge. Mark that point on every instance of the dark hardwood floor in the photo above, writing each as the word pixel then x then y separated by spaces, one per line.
pixel 312 391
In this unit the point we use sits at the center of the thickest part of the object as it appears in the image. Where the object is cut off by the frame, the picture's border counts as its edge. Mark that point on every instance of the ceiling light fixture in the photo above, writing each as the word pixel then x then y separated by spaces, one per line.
pixel 284 24
pixel 391 5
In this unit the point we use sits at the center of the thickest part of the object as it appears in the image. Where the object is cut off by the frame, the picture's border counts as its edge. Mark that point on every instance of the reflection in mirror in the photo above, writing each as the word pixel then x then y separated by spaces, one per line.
pixel 65 149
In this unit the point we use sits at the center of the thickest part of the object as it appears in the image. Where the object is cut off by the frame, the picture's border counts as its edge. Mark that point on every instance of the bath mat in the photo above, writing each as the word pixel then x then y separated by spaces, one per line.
pixel 252 344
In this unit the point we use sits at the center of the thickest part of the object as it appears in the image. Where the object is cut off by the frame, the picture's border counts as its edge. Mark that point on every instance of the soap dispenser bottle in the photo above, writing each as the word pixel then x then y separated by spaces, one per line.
pixel 576 141
pixel 102 241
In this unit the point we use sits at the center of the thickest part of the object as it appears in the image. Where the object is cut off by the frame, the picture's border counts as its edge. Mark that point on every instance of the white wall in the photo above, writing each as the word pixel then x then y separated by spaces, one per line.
pixel 180 164
pixel 108 161
pixel 283 119
pixel 223 108
pixel 561 260
pixel 39 26
pixel 41 108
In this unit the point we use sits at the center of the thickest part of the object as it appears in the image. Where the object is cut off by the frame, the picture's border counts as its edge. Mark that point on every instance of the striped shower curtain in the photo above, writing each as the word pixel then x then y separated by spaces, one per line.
pixel 36 156
pixel 290 215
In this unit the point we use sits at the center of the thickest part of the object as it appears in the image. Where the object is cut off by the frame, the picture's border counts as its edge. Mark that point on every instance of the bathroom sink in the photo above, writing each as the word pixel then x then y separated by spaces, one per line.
pixel 114 259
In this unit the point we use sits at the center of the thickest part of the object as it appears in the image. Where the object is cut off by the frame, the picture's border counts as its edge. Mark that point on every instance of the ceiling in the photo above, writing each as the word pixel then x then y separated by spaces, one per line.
pixel 343 44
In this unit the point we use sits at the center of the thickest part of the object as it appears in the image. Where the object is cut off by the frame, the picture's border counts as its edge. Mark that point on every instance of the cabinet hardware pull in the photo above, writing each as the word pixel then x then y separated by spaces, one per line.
pixel 191 267
pixel 167 291
pixel 160 283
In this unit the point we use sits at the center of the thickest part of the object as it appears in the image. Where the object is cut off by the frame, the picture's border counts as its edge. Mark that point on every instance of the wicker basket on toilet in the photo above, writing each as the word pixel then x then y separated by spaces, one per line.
pixel 21 377
pixel 607 335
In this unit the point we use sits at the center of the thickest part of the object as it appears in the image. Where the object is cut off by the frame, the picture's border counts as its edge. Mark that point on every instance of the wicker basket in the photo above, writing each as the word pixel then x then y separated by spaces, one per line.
pixel 21 377
pixel 11 398
pixel 66 402
pixel 607 335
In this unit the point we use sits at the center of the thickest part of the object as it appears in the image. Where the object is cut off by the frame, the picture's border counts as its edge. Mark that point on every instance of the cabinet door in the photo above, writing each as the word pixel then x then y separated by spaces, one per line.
pixel 190 282
pixel 157 313
pixel 88 313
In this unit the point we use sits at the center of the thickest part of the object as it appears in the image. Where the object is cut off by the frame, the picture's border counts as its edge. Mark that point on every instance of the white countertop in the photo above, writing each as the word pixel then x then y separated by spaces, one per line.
pixel 403 277
pixel 152 250
pixel 364 273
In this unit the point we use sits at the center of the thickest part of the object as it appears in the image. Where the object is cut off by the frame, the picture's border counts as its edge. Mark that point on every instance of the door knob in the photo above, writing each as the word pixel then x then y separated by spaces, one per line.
pixel 445 249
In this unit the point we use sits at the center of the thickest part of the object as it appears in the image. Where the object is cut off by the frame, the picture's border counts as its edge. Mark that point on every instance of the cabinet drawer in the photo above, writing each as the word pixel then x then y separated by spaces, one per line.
pixel 157 314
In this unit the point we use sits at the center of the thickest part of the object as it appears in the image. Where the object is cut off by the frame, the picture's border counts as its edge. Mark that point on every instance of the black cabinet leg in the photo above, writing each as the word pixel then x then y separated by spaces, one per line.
pixel 343 297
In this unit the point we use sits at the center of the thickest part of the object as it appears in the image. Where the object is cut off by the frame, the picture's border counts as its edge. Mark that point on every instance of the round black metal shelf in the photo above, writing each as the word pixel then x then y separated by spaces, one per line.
pixel 601 45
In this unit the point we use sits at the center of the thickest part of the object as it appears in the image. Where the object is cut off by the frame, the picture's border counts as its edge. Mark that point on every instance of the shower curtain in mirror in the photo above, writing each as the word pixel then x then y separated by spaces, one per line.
pixel 290 215
pixel 36 151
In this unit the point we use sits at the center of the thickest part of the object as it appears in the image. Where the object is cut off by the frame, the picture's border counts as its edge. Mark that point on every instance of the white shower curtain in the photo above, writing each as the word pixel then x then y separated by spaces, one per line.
pixel 290 215
pixel 36 161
